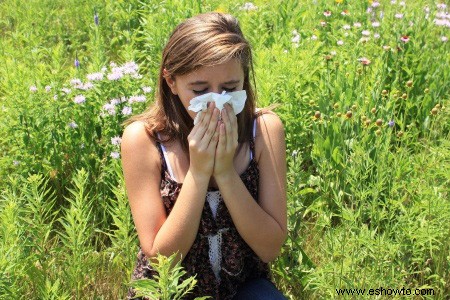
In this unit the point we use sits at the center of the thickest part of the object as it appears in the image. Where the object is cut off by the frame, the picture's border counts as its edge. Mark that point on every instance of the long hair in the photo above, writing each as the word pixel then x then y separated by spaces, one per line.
pixel 201 41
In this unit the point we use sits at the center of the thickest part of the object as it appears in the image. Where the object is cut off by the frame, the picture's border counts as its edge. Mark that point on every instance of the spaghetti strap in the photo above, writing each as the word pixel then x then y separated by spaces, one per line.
pixel 252 141
pixel 164 158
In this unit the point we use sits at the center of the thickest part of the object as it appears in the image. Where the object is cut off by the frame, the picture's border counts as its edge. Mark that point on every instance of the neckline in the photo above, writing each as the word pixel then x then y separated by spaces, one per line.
pixel 210 188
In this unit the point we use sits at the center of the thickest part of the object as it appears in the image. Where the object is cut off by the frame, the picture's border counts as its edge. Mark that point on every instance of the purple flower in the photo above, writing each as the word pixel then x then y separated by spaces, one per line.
pixel 96 18
pixel 33 89
pixel 95 76
pixel 72 124
pixel 77 62
pixel 48 88
pixel 391 123
pixel 115 155
pixel 79 99
pixel 133 99
pixel 147 89
pixel 116 140
pixel 127 111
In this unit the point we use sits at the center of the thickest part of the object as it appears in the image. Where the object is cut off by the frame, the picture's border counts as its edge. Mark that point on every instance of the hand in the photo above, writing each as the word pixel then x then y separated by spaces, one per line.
pixel 228 142
pixel 202 141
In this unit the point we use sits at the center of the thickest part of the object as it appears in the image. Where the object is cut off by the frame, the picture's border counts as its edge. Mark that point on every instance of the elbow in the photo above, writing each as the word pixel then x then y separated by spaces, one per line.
pixel 274 251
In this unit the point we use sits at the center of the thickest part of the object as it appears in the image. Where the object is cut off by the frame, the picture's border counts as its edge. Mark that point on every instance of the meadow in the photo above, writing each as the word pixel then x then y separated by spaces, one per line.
pixel 364 94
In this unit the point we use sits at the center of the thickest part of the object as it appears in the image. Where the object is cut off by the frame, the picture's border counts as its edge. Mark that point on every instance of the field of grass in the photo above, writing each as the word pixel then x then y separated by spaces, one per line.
pixel 364 88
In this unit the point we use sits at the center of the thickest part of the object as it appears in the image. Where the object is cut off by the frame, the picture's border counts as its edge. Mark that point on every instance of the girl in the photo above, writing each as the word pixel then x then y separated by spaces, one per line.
pixel 236 164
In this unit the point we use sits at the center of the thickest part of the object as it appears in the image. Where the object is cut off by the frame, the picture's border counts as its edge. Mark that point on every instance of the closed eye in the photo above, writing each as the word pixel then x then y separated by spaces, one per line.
pixel 200 92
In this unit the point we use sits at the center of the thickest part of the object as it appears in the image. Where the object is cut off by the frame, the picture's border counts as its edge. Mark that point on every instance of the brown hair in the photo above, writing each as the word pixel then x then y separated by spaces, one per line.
pixel 204 40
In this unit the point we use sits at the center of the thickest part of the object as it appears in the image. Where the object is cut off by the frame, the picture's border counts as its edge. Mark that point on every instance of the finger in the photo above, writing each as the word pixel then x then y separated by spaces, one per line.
pixel 228 130
pixel 206 117
pixel 215 138
pixel 211 127
pixel 233 121
pixel 222 143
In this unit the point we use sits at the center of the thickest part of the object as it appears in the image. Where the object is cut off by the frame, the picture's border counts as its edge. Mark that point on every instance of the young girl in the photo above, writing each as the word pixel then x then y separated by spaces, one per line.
pixel 214 192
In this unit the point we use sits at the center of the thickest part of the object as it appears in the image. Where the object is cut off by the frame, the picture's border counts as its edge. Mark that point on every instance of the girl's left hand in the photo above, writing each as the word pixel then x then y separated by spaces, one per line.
pixel 228 142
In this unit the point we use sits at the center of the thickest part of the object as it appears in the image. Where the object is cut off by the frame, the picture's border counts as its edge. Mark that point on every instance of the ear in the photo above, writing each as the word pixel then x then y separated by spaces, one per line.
pixel 170 81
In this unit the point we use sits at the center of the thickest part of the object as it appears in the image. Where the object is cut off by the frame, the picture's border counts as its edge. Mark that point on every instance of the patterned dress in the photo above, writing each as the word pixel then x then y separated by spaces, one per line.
pixel 235 262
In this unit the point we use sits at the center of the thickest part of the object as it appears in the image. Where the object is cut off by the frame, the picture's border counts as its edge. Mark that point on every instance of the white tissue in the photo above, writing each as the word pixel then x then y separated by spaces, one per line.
pixel 200 103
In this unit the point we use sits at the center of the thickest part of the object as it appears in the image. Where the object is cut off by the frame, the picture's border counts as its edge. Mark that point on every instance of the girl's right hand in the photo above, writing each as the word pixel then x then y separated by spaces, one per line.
pixel 202 141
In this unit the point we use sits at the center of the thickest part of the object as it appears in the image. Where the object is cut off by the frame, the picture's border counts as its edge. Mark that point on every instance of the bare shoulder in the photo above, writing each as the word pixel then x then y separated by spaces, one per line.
pixel 269 133
pixel 138 144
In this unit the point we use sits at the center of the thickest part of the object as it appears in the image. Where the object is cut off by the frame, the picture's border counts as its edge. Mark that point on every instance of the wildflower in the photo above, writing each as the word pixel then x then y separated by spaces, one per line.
pixel 369 10
pixel 437 106
pixel 400 134
pixel 434 111
pixel 323 23
pixel 345 13
pixel 409 83
pixel 96 18
pixel 373 110
pixel 327 13
pixel 426 91
pixel 346 27
pixel 16 162
pixel 379 122
pixel 357 24
pixel 86 86
pixel 110 108
pixel 354 107
pixel 336 105
pixel 402 3
pixel 115 155
pixel 393 1
pixel 444 39
pixel 76 82
pixel 364 61
pixel 79 99
pixel 114 76
pixel 248 6
pixel 375 24
pixel 378 132
pixel 294 153
pixel 339 115
pixel 116 140
pixel 364 39
pixel 375 4
pixel 384 92
pixel 404 96
pixel 386 48
pixel 376 35
pixel 76 62
pixel 313 37
pixel 338 1
pixel 146 89
pixel 33 89
pixel 398 16
pixel 127 111
pixel 365 32
pixel 391 123
pixel 404 38
pixel 66 90
pixel 48 88
pixel 317 115
pixel 426 9
pixel 55 97
pixel 381 14
pixel 349 114
pixel 441 6
pixel 133 99
pixel 95 76
pixel 72 124
pixel 340 42
pixel 295 39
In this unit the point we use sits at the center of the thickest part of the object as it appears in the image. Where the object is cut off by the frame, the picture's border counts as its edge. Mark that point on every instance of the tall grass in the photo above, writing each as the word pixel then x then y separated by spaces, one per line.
pixel 366 118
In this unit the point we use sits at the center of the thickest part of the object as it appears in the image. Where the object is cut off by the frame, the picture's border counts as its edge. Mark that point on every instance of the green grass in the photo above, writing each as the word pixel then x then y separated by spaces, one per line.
pixel 368 203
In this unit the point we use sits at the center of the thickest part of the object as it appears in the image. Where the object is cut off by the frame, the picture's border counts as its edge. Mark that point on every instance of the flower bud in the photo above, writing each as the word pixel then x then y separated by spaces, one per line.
pixel 317 115
pixel 338 115
pixel 367 122
pixel 437 106
pixel 354 107
pixel 336 105
pixel 434 111
pixel 373 110
pixel 409 83
pixel 384 92
pixel 379 122
pixel 311 102
pixel 400 134
pixel 378 132
pixel 427 90
pixel 349 114
pixel 404 96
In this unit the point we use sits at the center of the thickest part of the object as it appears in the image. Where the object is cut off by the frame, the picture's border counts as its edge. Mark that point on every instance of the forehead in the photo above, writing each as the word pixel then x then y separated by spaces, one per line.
pixel 231 70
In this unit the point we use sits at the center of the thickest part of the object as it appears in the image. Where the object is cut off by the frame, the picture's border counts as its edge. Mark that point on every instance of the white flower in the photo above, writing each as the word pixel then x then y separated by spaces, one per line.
pixel 313 37
pixel 127 111
pixel 375 24
pixel 147 89
pixel 116 140
pixel 76 82
pixel 33 89
pixel 248 6
pixel 444 39
pixel 79 99
pixel 357 24
pixel 95 76
pixel 376 35
pixel 399 15
pixel 442 6
pixel 133 99
pixel 296 39
pixel 346 27
pixel 340 42
pixel 115 155
pixel 48 88
pixel 66 90
pixel 365 32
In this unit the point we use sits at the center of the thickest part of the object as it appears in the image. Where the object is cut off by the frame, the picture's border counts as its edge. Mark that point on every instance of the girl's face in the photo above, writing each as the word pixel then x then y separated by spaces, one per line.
pixel 227 77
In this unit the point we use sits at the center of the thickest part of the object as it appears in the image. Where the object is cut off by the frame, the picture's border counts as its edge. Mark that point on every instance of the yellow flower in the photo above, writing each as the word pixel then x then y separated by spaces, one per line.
pixel 338 1
pixel 221 9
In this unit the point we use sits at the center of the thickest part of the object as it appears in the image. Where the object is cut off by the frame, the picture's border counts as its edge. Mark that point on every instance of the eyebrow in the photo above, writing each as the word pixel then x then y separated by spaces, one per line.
pixel 199 82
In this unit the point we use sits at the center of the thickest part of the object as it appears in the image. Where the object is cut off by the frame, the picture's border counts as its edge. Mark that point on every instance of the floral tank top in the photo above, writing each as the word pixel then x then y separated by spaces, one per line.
pixel 219 257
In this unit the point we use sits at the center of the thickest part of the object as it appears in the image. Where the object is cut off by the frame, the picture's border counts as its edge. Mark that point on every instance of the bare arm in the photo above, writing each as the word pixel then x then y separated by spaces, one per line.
pixel 263 226
pixel 157 232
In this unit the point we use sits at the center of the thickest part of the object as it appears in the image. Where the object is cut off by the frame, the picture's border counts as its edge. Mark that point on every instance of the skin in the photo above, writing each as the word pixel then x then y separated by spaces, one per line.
pixel 213 161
